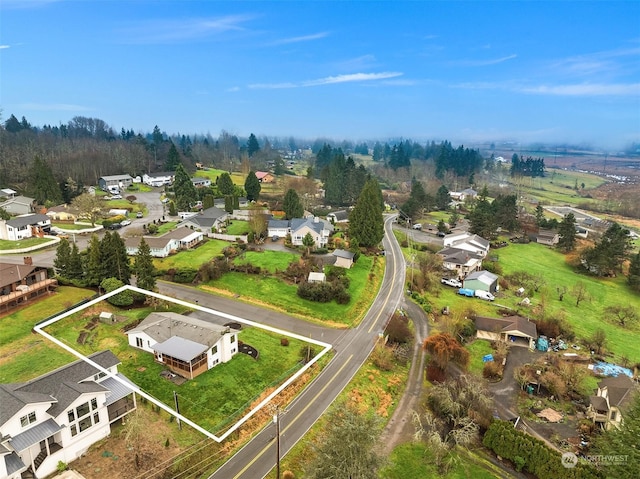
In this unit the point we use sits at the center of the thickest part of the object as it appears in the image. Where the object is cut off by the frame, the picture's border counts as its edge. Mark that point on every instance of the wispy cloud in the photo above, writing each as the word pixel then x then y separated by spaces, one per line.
pixel 483 63
pixel 233 89
pixel 304 38
pixel 53 107
pixel 4 47
pixel 363 62
pixel 180 30
pixel 608 62
pixel 331 80
pixel 586 89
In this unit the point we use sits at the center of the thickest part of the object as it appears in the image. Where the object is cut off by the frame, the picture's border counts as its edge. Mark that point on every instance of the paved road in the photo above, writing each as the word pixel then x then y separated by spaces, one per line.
pixel 258 457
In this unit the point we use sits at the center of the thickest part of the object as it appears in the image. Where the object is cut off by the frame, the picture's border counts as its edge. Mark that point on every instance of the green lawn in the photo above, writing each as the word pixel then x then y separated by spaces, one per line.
pixel 270 261
pixel 24 243
pixel 16 338
pixel 477 350
pixel 212 399
pixel 589 316
pixel 238 228
pixel 276 293
pixel 71 226
pixel 558 187
pixel 191 258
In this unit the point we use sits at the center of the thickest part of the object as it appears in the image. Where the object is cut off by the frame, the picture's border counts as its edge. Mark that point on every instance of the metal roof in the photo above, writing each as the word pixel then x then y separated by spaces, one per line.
pixel 117 390
pixel 13 463
pixel 180 348
pixel 34 435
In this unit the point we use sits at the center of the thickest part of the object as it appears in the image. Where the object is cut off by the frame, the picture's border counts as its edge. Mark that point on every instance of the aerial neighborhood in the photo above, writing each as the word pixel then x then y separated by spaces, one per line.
pixel 394 307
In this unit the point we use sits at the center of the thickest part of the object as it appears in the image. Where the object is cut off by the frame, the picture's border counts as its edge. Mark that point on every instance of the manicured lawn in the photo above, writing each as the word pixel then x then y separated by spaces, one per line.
pixel 24 355
pixel 276 293
pixel 477 349
pixel 212 399
pixel 237 227
pixel 270 261
pixel 24 243
pixel 71 226
pixel 192 258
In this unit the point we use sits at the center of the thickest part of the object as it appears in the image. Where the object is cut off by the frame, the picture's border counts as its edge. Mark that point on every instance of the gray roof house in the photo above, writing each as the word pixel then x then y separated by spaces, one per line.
pixel 18 205
pixel 513 329
pixel 340 216
pixel 207 221
pixel 607 406
pixel 187 346
pixel 460 261
pixel 25 226
pixel 121 181
pixel 482 280
pixel 57 416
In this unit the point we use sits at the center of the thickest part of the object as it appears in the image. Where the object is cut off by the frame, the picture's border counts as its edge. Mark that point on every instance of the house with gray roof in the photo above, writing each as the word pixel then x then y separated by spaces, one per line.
pixel 23 282
pixel 18 205
pixel 207 221
pixel 23 227
pixel 473 243
pixel 187 346
pixel 340 216
pixel 162 246
pixel 607 406
pixel 344 258
pixel 113 182
pixel 482 280
pixel 460 261
pixel 58 416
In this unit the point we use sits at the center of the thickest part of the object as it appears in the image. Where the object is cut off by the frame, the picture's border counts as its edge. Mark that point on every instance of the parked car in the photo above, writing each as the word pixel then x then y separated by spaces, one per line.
pixel 466 292
pixel 115 226
pixel 453 282
pixel 125 223
pixel 116 197
pixel 441 234
pixel 139 214
pixel 486 295
pixel 417 226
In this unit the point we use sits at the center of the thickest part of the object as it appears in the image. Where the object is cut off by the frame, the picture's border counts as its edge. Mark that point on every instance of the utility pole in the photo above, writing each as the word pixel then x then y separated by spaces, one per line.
pixel 276 421
pixel 175 398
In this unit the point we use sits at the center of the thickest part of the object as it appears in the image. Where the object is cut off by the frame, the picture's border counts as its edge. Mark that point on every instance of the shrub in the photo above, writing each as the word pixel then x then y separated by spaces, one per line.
pixel 491 370
pixel 307 352
pixel 185 275
pixel 284 342
pixel 382 357
pixel 398 329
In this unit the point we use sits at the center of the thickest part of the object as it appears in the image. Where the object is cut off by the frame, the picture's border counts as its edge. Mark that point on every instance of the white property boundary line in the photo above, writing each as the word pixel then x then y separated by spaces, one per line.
pixel 326 347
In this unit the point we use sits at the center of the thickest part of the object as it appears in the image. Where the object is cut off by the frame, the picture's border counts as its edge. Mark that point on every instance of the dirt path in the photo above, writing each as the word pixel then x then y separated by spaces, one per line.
pixel 400 428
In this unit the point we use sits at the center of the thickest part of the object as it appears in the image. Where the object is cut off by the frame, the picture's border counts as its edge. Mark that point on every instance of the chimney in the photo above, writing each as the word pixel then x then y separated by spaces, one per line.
pixel 28 260
pixel 316 219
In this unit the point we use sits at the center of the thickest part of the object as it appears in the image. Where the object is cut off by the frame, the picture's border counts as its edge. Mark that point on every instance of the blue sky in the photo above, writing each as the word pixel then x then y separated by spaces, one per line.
pixel 463 71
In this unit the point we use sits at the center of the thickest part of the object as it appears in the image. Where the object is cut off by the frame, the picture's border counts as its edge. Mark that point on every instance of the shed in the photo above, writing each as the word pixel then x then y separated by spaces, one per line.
pixel 482 280
pixel 344 259
pixel 315 277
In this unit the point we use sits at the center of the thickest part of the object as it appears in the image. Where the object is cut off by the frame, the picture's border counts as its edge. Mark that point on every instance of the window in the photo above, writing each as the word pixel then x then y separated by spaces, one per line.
pixel 28 419
pixel 82 410
pixel 71 415
pixel 74 430
pixel 99 376
pixel 96 418
pixel 214 350
pixel 139 343
pixel 613 415
pixel 233 338
pixel 94 404
pixel 82 419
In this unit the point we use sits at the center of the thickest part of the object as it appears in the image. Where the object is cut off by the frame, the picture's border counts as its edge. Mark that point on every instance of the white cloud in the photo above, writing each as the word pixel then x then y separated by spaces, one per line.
pixel 4 47
pixel 167 31
pixel 606 62
pixel 304 38
pixel 586 89
pixel 352 77
pixel 360 63
pixel 233 89
pixel 483 63
pixel 53 107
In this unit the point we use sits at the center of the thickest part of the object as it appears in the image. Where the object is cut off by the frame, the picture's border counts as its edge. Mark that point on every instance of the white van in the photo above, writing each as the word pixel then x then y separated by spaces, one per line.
pixel 486 295
pixel 417 226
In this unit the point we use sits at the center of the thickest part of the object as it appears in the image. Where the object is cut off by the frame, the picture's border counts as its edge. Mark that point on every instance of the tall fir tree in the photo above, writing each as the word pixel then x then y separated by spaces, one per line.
pixel 253 146
pixel 366 223
pixel 143 267
pixel 225 184
pixel 115 261
pixel 93 266
pixel 252 186
pixel 173 159
pixel 567 233
pixel 443 198
pixel 61 260
pixel 45 188
pixel 185 191
pixel 74 268
pixel 291 205
pixel 633 277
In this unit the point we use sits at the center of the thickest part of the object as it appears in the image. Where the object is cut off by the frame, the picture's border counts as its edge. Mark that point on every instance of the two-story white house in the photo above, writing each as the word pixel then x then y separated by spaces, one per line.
pixel 57 416
pixel 468 242
pixel 606 407
pixel 23 227
pixel 158 179
pixel 162 246
pixel 319 229
pixel 187 346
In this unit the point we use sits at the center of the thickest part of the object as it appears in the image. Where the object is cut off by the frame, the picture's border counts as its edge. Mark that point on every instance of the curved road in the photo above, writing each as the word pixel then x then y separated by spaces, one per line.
pixel 352 348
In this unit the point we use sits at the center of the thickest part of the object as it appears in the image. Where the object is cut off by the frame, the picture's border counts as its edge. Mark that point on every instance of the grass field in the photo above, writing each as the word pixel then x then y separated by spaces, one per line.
pixel 558 187
pixel 192 258
pixel 24 243
pixel 17 338
pixel 477 349
pixel 238 228
pixel 270 261
pixel 365 277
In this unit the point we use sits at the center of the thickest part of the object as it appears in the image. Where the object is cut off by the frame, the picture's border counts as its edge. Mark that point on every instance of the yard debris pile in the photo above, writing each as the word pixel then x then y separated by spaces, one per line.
pixel 551 415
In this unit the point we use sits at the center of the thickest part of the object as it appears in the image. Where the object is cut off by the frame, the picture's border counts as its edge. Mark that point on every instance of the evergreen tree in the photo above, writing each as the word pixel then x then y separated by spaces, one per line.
pixel 173 159
pixel 291 205
pixel 44 186
pixel 225 184
pixel 366 223
pixel 308 242
pixel 567 233
pixel 506 212
pixel 185 191
pixel 61 261
pixel 74 268
pixel 252 145
pixel 607 256
pixel 443 198
pixel 481 220
pixel 93 267
pixel 633 278
pixel 115 262
pixel 208 201
pixel 252 186
pixel 540 219
pixel 143 267
pixel 334 184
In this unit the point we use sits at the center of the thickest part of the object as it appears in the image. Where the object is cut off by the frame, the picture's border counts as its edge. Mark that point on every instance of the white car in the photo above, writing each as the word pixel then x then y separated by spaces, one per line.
pixel 417 226
pixel 453 282
pixel 116 197
pixel 125 223
pixel 486 295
